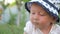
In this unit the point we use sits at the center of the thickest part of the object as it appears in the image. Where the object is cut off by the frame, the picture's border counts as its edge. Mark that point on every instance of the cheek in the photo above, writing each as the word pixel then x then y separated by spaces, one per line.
pixel 44 20
pixel 31 17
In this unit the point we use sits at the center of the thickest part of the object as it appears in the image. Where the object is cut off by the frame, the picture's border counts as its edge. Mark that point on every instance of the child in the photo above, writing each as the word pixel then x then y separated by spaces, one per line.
pixel 43 18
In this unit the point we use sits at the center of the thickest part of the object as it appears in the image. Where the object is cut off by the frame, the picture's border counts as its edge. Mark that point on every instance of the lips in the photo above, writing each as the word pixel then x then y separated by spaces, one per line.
pixel 36 22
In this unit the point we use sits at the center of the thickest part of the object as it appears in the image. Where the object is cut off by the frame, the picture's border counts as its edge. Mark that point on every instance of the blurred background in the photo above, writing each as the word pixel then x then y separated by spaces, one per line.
pixel 13 15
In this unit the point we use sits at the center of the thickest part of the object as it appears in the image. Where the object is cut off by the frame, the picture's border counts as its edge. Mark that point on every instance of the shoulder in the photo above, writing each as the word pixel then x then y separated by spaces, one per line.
pixel 29 26
pixel 28 23
pixel 57 28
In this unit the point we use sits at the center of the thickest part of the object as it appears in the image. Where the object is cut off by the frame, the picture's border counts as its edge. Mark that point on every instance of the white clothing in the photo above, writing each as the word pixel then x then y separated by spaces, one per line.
pixel 30 29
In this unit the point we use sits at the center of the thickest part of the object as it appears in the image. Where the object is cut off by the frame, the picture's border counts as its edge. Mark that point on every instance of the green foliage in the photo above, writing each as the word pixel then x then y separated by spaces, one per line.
pixel 12 18
pixel 5 6
pixel 14 3
pixel 26 0
pixel 9 29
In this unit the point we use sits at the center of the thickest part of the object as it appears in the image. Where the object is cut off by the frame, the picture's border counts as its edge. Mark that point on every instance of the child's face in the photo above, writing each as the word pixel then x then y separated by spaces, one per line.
pixel 39 16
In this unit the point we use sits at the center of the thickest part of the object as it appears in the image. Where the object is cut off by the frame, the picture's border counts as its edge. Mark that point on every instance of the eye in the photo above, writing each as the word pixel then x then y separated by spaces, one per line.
pixel 42 14
pixel 33 13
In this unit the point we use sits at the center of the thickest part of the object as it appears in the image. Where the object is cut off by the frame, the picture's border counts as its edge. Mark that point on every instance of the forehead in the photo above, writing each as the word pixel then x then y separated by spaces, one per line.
pixel 36 7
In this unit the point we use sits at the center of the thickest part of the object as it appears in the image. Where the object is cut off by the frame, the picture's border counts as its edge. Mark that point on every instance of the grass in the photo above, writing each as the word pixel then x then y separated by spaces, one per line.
pixel 11 29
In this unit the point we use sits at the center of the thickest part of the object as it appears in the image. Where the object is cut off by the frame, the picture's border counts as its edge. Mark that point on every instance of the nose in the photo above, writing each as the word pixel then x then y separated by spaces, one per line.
pixel 36 16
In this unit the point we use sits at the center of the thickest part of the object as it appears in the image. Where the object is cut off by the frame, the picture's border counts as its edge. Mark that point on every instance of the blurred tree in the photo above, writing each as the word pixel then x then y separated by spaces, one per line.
pixel 19 4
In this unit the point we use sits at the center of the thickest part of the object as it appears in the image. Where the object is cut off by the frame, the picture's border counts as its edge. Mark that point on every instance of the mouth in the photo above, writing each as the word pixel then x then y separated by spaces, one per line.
pixel 36 23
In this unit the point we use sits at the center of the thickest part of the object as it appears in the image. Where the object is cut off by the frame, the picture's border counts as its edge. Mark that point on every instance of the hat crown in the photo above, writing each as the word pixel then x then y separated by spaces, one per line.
pixel 48 5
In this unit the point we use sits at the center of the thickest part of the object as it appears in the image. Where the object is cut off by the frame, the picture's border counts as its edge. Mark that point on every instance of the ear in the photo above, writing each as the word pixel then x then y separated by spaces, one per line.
pixel 54 19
